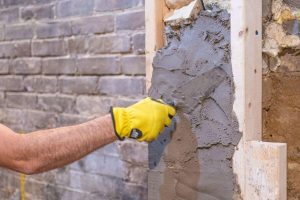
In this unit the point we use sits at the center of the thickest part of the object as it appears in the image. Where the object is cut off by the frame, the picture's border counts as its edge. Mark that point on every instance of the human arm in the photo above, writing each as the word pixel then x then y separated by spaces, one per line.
pixel 48 149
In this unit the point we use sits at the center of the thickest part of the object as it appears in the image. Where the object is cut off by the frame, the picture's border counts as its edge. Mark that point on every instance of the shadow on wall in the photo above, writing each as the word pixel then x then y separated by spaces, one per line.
pixel 194 70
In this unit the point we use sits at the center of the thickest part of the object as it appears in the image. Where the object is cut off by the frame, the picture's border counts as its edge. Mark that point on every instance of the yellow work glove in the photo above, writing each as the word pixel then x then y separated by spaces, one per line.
pixel 142 121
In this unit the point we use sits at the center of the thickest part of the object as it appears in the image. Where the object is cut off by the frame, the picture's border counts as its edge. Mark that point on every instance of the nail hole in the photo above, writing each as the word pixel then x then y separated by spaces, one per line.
pixel 249 105
pixel 255 71
pixel 256 32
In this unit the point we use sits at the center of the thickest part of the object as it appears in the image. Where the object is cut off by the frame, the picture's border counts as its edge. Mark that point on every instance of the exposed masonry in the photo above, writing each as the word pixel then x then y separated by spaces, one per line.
pixel 194 70
pixel 281 79
pixel 63 62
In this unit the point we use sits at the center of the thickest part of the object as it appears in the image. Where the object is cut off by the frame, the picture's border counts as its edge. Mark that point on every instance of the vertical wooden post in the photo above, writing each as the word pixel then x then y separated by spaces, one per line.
pixel 260 166
pixel 154 11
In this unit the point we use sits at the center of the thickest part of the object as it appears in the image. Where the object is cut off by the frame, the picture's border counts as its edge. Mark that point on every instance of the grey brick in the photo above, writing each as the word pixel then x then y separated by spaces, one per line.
pixel 36 120
pixel 125 102
pixel 15 49
pixel 2 33
pixel 77 45
pixel 134 192
pixel 91 183
pixel 75 8
pixel 17 2
pixel 11 83
pixel 70 119
pixel 21 100
pixel 2 100
pixel 139 43
pixel 131 21
pixel 44 1
pixel 16 32
pixel 49 48
pixel 9 15
pixel 13 118
pixel 136 174
pixel 87 105
pixel 99 65
pixel 56 103
pixel 37 12
pixel 127 86
pixel 110 44
pixel 53 29
pixel 98 25
pixel 100 164
pixel 109 5
pixel 4 66
pixel 41 84
pixel 134 65
pixel 26 66
pixel 59 66
pixel 127 149
pixel 78 85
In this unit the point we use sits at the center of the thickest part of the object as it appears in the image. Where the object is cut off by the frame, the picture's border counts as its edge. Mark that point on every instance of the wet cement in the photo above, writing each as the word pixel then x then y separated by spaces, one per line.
pixel 194 70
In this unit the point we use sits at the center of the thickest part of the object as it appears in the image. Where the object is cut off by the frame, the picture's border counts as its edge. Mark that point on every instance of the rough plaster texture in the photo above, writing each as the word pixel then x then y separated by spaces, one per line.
pixel 281 80
pixel 194 70
pixel 62 63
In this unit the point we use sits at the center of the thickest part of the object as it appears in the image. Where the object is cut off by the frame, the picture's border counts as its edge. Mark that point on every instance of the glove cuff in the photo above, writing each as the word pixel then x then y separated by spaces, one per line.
pixel 120 122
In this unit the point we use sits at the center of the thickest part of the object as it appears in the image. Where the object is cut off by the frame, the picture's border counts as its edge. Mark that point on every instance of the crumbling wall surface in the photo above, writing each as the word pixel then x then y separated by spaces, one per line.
pixel 194 71
pixel 62 63
pixel 281 80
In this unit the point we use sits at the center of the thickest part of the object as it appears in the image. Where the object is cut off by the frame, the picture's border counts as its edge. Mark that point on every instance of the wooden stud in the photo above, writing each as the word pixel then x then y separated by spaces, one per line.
pixel 260 167
pixel 155 11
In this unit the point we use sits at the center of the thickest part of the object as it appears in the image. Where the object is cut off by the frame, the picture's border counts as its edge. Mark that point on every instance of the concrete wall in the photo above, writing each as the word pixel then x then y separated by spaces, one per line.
pixel 63 62
pixel 281 80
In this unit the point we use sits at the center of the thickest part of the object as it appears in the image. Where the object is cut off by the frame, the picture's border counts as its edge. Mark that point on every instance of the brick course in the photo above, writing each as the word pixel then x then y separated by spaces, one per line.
pixel 63 63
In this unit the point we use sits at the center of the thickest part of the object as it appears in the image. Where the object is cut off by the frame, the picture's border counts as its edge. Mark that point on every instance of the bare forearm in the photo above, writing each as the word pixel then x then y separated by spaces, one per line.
pixel 49 149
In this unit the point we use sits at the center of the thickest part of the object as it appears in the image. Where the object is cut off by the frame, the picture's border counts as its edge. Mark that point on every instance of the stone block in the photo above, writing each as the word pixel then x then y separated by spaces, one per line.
pixel 53 29
pixel 127 86
pixel 132 152
pixel 11 83
pixel 49 48
pixel 15 49
pixel 26 66
pixel 134 65
pixel 70 119
pixel 41 84
pixel 17 32
pixel 37 12
pixel 110 44
pixel 78 85
pixel 108 5
pixel 9 15
pixel 99 65
pixel 74 8
pixel 175 4
pixel 96 24
pixel 4 66
pixel 138 41
pixel 56 103
pixel 57 66
pixel 77 45
pixel 100 164
pixel 131 20
pixel 93 105
pixel 21 100
pixel 8 3
pixel 36 120
pixel 184 15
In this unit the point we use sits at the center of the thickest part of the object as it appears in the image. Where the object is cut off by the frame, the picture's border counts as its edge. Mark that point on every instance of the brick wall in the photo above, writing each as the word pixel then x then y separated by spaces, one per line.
pixel 63 62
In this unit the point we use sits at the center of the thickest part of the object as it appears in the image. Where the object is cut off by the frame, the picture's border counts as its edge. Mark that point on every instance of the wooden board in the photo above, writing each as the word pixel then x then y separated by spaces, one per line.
pixel 154 14
pixel 260 167
pixel 246 41
pixel 266 171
